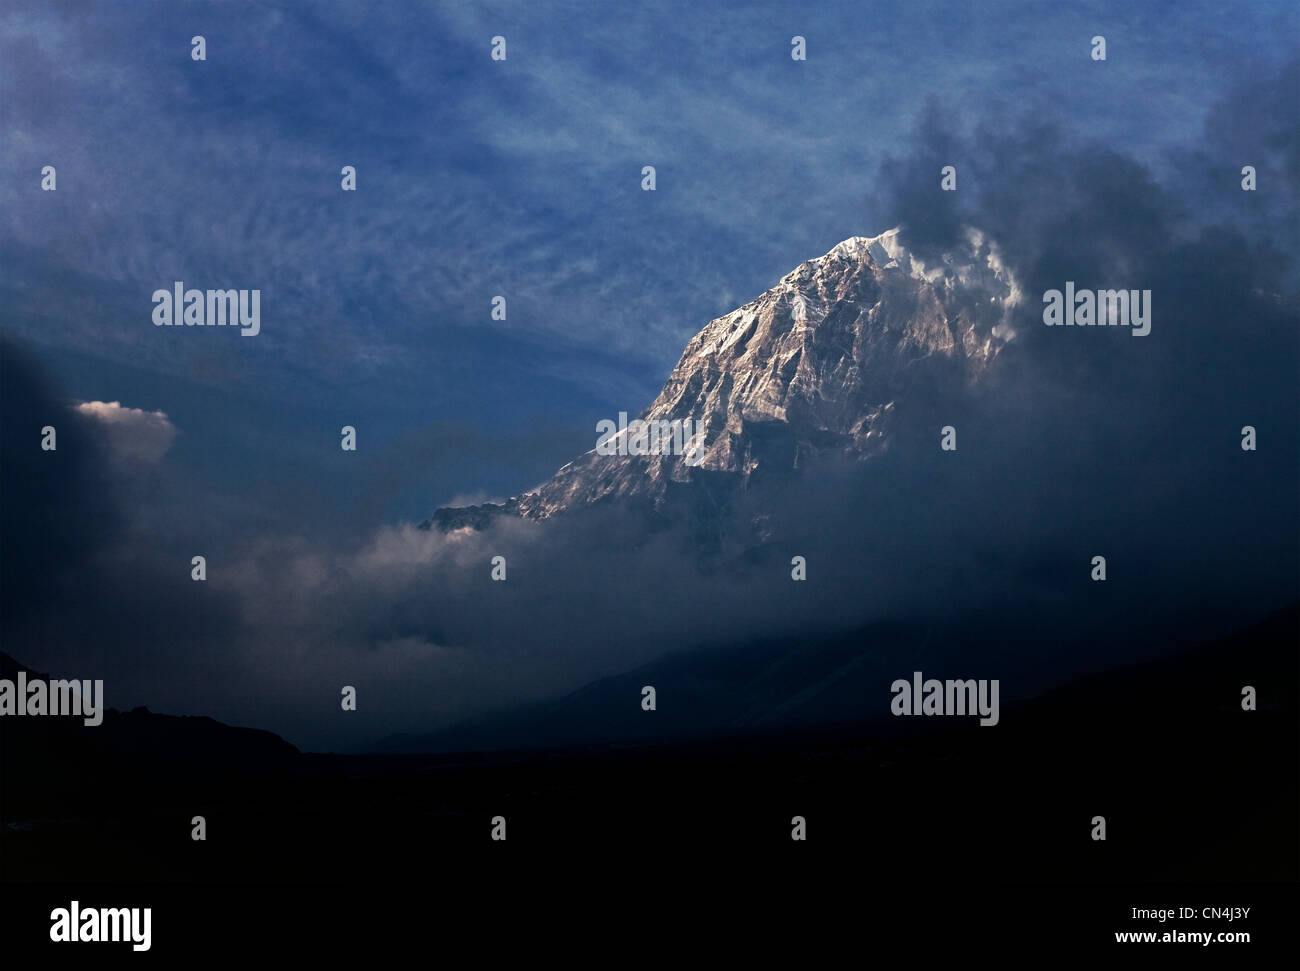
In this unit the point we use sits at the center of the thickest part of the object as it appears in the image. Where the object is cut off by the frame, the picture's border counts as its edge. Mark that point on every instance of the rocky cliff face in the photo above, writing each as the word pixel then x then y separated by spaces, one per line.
pixel 817 364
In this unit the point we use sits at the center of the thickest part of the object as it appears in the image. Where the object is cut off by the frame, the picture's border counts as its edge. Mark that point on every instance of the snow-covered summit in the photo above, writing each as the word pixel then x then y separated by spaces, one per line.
pixel 816 363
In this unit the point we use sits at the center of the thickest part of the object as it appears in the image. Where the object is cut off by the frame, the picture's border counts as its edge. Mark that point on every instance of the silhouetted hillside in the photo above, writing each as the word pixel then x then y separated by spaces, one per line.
pixel 792 684
pixel 52 763
pixel 1193 787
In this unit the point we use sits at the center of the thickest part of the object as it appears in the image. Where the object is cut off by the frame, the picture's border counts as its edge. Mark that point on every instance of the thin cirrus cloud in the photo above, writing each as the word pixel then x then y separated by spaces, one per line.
pixel 520 177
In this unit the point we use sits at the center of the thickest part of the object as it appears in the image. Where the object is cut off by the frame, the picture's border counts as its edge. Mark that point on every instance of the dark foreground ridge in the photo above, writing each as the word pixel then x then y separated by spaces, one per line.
pixel 1161 749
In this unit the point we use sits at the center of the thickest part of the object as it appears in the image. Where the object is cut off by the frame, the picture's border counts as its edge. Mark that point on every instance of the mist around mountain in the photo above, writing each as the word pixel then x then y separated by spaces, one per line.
pixel 770 688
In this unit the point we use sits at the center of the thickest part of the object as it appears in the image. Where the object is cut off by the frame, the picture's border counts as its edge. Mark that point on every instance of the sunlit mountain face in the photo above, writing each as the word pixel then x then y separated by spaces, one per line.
pixel 816 364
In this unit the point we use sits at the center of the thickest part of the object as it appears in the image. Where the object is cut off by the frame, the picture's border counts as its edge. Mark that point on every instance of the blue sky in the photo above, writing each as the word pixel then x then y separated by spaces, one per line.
pixel 479 178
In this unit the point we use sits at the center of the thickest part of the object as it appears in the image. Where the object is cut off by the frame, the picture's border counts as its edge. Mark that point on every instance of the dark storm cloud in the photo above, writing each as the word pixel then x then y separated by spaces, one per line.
pixel 88 585
pixel 1221 263
pixel 1096 440
pixel 56 508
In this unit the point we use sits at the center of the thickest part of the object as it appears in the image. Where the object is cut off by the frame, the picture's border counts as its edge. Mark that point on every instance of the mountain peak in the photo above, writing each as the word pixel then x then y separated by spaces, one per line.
pixel 814 365
pixel 883 249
